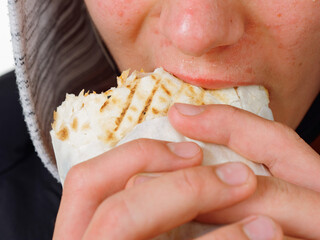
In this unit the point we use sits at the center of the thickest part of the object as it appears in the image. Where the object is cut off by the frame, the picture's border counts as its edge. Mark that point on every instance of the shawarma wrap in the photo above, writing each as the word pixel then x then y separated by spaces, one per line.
pixel 88 125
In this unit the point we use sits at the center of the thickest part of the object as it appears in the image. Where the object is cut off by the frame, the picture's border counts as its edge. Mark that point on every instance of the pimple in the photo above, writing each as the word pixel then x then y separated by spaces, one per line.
pixel 120 13
pixel 165 43
pixel 279 15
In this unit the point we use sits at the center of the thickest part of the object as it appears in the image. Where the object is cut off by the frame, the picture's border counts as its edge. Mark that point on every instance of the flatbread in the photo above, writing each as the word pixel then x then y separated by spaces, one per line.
pixel 88 125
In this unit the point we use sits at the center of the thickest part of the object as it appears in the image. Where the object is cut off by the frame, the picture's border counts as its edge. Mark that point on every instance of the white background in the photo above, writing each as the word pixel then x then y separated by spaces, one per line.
pixel 6 58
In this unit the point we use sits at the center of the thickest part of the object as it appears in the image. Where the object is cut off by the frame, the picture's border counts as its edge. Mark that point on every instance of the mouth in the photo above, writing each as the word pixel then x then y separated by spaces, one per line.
pixel 208 75
pixel 210 83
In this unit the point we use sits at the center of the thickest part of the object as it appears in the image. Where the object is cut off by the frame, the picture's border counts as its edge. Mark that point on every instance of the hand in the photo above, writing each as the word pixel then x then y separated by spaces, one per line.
pixel 90 183
pixel 95 204
pixel 291 196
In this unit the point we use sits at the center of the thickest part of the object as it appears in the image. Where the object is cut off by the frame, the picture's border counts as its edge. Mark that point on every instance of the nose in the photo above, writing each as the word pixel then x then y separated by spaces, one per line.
pixel 197 26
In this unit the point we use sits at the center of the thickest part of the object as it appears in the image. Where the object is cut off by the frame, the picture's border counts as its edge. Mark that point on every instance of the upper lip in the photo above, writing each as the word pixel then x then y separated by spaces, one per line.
pixel 209 83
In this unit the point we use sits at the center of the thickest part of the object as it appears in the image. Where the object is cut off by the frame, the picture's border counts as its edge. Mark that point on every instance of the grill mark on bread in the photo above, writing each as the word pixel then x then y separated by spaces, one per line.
pixel 63 134
pixel 124 111
pixel 55 117
pixel 114 101
pixel 192 92
pixel 180 90
pixel 165 111
pixel 108 93
pixel 162 99
pixel 110 137
pixel 148 102
pixel 85 126
pixel 133 108
pixel 74 124
pixel 104 105
pixel 165 90
pixel 155 111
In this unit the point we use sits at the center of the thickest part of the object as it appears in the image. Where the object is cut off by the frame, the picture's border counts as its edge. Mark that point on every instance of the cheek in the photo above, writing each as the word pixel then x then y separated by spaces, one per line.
pixel 110 13
pixel 293 32
pixel 116 16
pixel 120 24
pixel 293 23
pixel 104 8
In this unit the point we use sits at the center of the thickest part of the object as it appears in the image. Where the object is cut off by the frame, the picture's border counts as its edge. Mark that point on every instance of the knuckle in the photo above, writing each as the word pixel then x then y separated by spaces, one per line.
pixel 144 149
pixel 264 189
pixel 234 112
pixel 190 183
pixel 284 138
pixel 139 149
pixel 76 179
pixel 270 187
pixel 142 146
pixel 282 188
pixel 233 116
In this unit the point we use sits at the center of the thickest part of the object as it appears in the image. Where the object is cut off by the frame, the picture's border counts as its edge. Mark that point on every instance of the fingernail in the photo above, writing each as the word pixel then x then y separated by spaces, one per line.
pixel 184 149
pixel 233 173
pixel 188 110
pixel 261 228
pixel 144 177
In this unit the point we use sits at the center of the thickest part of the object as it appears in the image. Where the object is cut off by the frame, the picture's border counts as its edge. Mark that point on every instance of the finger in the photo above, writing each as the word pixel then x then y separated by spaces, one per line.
pixel 162 203
pixel 89 183
pixel 278 147
pixel 295 208
pixel 254 227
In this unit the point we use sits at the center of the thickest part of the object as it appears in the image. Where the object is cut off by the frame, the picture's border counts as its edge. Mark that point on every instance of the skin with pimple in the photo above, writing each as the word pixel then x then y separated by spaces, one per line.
pixel 219 44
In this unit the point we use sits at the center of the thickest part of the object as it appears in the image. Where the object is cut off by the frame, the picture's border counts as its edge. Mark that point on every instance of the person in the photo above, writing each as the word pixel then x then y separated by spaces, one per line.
pixel 146 187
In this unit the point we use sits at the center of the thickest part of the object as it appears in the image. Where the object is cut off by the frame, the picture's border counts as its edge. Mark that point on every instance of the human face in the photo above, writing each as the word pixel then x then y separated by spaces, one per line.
pixel 221 43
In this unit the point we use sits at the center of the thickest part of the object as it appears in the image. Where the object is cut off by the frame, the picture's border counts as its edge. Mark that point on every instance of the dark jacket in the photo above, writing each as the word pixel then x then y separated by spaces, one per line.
pixel 29 195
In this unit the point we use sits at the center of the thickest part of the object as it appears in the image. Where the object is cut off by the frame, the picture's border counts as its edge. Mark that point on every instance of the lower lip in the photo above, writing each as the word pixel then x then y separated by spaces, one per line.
pixel 209 83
